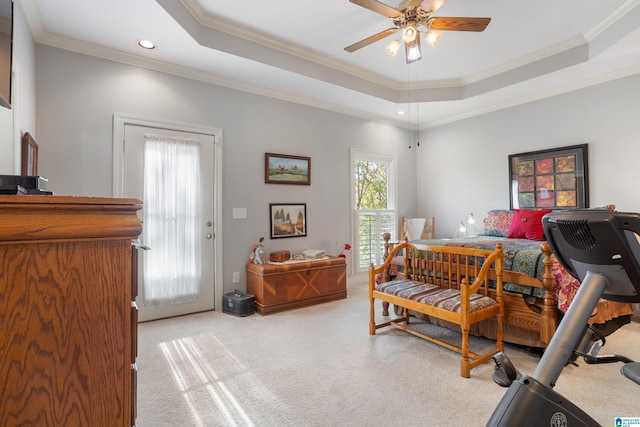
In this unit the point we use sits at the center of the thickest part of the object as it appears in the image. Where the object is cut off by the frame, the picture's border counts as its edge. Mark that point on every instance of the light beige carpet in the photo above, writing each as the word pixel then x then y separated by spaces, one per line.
pixel 318 366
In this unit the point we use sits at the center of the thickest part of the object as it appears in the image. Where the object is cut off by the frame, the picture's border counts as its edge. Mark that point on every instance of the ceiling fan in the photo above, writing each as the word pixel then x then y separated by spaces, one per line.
pixel 413 17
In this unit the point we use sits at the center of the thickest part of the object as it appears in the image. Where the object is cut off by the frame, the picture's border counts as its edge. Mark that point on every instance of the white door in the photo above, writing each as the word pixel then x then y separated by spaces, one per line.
pixel 133 186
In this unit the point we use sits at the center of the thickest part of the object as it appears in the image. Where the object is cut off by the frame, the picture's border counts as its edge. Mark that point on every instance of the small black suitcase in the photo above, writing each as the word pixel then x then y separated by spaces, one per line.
pixel 238 303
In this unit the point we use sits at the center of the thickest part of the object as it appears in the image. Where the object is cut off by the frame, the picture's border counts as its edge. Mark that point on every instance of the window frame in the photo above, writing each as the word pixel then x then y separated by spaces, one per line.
pixel 392 201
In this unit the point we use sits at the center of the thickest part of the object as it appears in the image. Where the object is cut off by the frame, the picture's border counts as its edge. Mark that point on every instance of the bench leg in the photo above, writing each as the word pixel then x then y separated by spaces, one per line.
pixel 500 337
pixel 372 317
pixel 465 364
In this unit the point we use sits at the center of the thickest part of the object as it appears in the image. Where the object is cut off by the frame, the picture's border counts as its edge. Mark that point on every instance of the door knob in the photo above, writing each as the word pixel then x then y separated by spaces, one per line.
pixel 208 236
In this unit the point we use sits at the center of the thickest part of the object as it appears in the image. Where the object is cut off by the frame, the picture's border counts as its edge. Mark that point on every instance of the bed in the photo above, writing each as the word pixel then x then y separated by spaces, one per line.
pixel 536 290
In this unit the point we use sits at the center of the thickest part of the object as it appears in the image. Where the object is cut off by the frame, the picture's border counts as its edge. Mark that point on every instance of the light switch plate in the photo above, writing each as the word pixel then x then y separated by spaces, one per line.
pixel 239 213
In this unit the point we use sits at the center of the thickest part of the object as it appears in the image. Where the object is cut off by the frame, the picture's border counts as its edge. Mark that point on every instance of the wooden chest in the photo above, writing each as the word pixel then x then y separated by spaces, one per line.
pixel 279 287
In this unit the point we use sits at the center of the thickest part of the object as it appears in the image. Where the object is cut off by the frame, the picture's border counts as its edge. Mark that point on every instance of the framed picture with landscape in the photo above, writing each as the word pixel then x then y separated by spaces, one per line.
pixel 550 179
pixel 285 169
pixel 288 220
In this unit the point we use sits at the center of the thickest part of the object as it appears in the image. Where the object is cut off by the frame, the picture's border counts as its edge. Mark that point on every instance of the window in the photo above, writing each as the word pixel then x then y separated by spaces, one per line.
pixel 374 206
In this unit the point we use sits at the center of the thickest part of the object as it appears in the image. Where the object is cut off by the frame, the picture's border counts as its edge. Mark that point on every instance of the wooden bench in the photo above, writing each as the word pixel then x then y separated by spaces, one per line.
pixel 446 282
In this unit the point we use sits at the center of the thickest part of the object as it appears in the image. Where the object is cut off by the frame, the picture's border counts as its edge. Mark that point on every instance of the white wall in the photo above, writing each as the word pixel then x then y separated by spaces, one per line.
pixel 22 116
pixel 463 166
pixel 78 94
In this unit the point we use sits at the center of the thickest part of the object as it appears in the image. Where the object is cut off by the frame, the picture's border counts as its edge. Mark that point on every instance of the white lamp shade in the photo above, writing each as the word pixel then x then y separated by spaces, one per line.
pixel 412 50
pixel 413 228
pixel 393 47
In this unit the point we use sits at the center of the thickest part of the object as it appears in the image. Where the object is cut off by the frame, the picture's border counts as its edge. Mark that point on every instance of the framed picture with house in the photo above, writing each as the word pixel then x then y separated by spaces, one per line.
pixel 288 220
pixel 286 169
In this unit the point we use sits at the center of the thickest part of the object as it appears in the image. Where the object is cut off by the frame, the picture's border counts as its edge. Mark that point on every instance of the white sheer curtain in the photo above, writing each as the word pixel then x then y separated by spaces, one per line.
pixel 172 220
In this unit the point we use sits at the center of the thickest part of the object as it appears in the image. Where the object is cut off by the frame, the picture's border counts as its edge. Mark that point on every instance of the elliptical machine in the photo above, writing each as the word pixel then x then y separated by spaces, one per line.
pixel 601 249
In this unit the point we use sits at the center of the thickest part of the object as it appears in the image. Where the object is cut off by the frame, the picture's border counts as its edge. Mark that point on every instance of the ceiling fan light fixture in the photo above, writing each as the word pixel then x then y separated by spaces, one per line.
pixel 393 47
pixel 411 18
pixel 409 33
pixel 433 37
pixel 412 50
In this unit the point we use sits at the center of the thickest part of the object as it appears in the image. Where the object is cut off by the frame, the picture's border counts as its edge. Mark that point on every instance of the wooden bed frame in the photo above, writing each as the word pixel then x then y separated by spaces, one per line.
pixel 528 321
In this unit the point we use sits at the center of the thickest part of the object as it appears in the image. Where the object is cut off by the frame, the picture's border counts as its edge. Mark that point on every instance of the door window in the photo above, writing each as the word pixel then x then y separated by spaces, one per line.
pixel 172 220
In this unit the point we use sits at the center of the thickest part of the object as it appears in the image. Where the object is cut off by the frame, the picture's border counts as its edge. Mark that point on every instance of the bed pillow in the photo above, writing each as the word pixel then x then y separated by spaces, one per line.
pixel 497 223
pixel 527 224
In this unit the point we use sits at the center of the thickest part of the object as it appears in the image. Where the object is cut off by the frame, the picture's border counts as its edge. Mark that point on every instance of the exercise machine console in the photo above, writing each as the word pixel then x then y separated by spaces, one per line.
pixel 601 249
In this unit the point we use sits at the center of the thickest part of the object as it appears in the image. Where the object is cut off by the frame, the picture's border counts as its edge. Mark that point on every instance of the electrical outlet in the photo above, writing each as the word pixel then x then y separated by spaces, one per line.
pixel 236 277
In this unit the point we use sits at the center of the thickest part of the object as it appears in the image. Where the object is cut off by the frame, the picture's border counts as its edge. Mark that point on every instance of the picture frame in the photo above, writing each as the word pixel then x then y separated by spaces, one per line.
pixel 555 178
pixel 29 165
pixel 288 220
pixel 287 169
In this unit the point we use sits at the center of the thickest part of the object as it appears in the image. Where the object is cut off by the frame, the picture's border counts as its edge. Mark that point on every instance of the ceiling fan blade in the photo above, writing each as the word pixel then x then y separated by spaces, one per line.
pixel 431 6
pixel 449 23
pixel 378 7
pixel 374 38
pixel 409 4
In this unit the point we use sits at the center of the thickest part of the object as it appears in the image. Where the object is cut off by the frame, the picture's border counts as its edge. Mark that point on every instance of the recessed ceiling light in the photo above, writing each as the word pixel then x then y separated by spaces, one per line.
pixel 146 44
pixel 400 113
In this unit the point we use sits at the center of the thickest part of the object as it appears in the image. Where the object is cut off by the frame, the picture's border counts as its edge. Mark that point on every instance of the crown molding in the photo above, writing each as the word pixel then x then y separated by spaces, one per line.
pixel 526 60
pixel 89 49
pixel 243 32
pixel 250 34
pixel 538 95
pixel 34 20
pixel 600 26
pixel 423 92
pixel 72 45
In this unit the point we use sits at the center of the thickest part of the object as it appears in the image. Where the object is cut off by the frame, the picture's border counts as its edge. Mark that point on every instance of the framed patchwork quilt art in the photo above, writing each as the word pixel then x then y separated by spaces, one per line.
pixel 549 179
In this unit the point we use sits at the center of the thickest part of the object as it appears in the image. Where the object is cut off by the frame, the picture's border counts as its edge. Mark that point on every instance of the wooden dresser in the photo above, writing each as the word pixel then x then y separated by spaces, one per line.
pixel 284 286
pixel 68 323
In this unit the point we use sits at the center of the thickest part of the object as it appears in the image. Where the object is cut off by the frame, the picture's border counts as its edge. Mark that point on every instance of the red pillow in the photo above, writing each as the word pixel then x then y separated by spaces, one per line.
pixel 527 224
